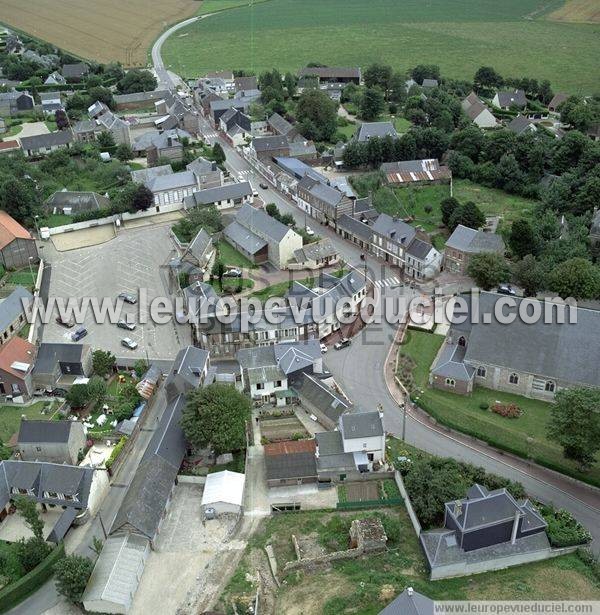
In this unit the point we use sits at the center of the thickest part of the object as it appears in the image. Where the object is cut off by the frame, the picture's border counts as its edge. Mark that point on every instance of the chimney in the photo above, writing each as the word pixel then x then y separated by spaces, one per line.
pixel 515 527
pixel 458 508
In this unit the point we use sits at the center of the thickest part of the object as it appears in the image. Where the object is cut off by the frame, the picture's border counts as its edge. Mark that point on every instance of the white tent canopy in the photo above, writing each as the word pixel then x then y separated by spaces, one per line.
pixel 224 488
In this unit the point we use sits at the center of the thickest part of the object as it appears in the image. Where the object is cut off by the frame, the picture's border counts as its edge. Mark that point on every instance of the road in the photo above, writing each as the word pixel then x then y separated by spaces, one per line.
pixel 47 597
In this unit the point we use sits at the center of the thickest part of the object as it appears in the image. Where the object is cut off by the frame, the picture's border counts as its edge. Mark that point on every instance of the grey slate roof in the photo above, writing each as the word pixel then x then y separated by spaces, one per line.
pixel 202 166
pixel 361 424
pixel 291 465
pixel 355 227
pixel 294 356
pixel 520 124
pixel 187 369
pixel 51 139
pixel 450 363
pixel 280 125
pixel 49 354
pixel 266 144
pixel 331 72
pixel 315 250
pixel 244 237
pixel 324 398
pixel 12 306
pixel 74 71
pixel 565 352
pixel 368 130
pixel 394 229
pixel 253 218
pixel 326 193
pixel 419 249
pixel 44 431
pixel 78 201
pixel 200 244
pixel 234 191
pixel 268 373
pixel 469 240
pixel 257 356
pixel 171 181
pixel 430 83
pixel 141 176
pixel 509 98
pixel 410 602
pixel 153 96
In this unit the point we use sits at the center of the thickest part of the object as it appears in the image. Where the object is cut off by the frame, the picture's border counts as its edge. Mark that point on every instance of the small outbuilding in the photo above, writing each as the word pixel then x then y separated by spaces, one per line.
pixel 223 492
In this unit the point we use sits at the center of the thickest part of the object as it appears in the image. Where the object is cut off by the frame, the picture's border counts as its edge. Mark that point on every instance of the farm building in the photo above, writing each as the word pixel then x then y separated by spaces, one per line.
pixel 17 245
pixel 416 172
pixel 224 492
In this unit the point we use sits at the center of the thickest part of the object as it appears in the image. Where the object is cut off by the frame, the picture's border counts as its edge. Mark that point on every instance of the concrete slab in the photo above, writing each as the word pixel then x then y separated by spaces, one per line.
pixel 153 220
pixel 13 528
pixel 308 496
pixel 84 238
pixel 32 129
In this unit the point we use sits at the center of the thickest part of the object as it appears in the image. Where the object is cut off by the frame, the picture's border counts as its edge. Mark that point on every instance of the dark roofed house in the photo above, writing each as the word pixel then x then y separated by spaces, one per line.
pixel 60 364
pixel 245 83
pixel 416 172
pixel 14 313
pixel 369 130
pixel 67 202
pixel 321 201
pixel 410 602
pixel 466 241
pixel 521 124
pixel 290 463
pixel 317 254
pixel 49 142
pixel 75 72
pixel 207 173
pixel 557 100
pixel 484 529
pixel 279 125
pixel 223 197
pixel 266 149
pixel 505 99
pixel 54 441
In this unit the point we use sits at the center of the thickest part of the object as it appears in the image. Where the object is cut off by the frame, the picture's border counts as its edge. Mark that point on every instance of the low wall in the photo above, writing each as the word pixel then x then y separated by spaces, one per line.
pixel 314 563
pixel 464 568
pixel 192 480
pixel 34 328
pixel 411 513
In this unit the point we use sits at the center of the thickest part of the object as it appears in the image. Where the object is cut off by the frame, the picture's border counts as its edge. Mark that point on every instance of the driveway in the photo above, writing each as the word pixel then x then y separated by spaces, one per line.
pixel 83 238
pixel 135 261
pixel 32 129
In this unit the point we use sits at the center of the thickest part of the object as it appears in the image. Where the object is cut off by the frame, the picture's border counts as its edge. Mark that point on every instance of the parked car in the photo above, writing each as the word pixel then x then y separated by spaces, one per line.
pixel 79 333
pixel 342 343
pixel 65 323
pixel 233 273
pixel 255 193
pixel 129 343
pixel 506 289
pixel 264 186
pixel 128 298
pixel 123 324
pixel 323 348
pixel 309 231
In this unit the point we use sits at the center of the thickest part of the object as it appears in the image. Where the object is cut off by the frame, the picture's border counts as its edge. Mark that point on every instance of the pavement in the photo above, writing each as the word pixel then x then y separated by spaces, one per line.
pixel 84 238
pixel 134 260
pixel 32 129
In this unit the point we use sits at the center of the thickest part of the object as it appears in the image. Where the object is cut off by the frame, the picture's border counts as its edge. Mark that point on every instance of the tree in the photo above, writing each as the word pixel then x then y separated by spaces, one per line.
pixel 218 153
pixel 96 389
pixel 530 275
pixel 488 269
pixel 72 575
pixel 425 71
pixel 19 198
pixel 487 78
pixel 124 152
pixel 61 119
pixel 218 271
pixel 378 75
pixel 207 218
pixel 577 277
pixel 78 396
pixel 142 199
pixel 467 214
pixel 101 94
pixel 140 367
pixel 136 80
pixel 575 424
pixel 216 416
pixel 31 517
pixel 272 210
pixel 522 238
pixel 448 206
pixel 105 139
pixel 32 552
pixel 317 115
pixel 372 104
pixel 103 362
pixel 290 83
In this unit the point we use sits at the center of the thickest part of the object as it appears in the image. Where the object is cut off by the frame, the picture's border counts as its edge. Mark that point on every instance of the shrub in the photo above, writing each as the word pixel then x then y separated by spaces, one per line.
pixel 563 529
pixel 32 552
pixel 511 411
pixel 116 452
pixel 484 406
pixel 590 560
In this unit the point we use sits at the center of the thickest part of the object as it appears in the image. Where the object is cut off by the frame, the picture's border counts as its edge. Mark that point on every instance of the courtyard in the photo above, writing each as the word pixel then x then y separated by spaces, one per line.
pixel 135 261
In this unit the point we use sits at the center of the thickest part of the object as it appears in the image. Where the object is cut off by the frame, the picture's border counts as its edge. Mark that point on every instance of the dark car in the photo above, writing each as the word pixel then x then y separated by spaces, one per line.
pixel 128 298
pixel 506 289
pixel 264 186
pixel 59 392
pixel 343 343
pixel 65 323
pixel 79 333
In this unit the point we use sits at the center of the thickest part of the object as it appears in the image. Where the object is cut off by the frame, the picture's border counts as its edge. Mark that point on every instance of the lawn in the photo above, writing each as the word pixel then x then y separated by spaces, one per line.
pixel 230 256
pixel 10 417
pixel 366 585
pixel 52 220
pixel 524 436
pixel 415 202
pixel 460 38
pixel 24 277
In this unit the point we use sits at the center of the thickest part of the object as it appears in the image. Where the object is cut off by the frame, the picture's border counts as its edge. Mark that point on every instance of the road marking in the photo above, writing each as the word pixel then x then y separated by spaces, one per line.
pixel 387 282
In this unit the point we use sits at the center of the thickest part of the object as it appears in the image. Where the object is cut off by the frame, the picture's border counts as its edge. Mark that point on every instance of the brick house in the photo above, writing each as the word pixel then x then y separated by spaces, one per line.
pixel 464 242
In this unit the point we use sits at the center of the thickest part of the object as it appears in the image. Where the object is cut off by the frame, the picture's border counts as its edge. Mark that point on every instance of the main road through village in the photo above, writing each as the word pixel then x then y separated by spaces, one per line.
pixel 360 368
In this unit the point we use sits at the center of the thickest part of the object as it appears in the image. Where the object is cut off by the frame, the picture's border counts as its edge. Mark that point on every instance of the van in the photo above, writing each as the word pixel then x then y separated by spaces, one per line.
pixel 78 334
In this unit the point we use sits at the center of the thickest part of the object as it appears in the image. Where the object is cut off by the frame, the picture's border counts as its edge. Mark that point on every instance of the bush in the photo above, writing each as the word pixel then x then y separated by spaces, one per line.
pixel 116 452
pixel 32 552
pixel 590 560
pixel 563 529
pixel 484 406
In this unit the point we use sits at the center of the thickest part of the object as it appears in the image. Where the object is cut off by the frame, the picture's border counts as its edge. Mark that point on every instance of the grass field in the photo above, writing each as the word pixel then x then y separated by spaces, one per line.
pixel 288 34
pixel 10 417
pixel 230 256
pixel 525 436
pixel 105 31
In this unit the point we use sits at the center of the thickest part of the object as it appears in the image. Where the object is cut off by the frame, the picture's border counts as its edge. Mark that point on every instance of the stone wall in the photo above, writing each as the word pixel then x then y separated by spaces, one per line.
pixel 315 563
pixel 407 503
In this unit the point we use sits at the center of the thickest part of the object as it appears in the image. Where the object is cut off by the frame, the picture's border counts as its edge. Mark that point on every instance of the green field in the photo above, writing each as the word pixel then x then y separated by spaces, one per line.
pixel 230 256
pixel 525 436
pixel 458 35
pixel 10 417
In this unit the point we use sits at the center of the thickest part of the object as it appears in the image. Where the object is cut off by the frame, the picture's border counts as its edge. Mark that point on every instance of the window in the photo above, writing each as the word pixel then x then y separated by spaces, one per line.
pixel 450 382
pixel 370 456
pixel 259 386
pixel 38 449
pixel 550 386
pixel 278 383
pixel 481 371
pixel 514 378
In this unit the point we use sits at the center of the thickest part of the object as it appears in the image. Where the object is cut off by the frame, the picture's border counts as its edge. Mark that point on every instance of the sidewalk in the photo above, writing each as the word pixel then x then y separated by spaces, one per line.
pixel 585 493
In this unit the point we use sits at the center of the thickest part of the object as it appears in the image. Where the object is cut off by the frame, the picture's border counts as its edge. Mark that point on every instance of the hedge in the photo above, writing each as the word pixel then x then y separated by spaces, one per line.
pixel 563 529
pixel 116 452
pixel 16 592
pixel 369 504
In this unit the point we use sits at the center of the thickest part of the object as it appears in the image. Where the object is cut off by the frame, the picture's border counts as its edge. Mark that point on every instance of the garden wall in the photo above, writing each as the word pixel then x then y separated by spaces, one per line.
pixel 411 513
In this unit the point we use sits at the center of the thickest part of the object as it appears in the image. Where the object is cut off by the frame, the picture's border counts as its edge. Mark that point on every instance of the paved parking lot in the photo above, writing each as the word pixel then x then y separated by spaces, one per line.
pixel 134 260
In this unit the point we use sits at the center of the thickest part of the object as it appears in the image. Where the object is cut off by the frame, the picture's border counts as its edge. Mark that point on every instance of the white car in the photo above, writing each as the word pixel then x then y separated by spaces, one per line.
pixel 309 231
pixel 323 348
pixel 129 343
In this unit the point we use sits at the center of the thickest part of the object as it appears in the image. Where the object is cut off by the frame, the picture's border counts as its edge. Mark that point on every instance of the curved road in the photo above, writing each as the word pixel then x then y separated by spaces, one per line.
pixel 369 387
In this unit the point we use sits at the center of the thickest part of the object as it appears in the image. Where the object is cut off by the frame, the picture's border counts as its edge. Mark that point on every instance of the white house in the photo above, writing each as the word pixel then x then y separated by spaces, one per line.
pixel 223 492
pixel 222 197
pixel 363 433
pixel 173 188
pixel 477 112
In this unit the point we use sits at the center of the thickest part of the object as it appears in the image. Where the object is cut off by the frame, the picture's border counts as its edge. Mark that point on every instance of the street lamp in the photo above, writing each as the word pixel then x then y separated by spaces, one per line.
pixel 31 268
pixel 403 406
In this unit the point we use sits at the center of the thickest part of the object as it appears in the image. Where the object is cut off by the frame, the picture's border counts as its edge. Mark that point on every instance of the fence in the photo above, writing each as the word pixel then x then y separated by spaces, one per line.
pixel 407 503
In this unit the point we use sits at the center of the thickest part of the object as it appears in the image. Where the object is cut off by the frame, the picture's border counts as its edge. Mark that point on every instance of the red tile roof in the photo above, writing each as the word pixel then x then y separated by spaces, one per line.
pixel 10 230
pixel 290 447
pixel 16 349
pixel 9 144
